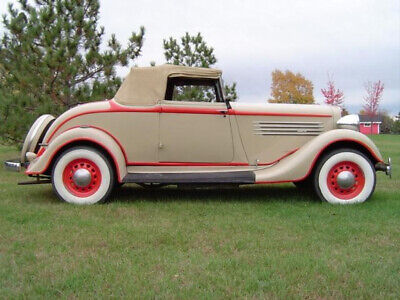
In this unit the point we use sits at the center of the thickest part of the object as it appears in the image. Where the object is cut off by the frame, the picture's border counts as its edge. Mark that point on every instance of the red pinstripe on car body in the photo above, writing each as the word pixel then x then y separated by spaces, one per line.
pixel 71 141
pixel 115 107
pixel 319 154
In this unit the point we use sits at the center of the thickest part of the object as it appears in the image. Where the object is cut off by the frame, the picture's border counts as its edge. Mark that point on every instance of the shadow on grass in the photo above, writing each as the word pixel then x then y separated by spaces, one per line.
pixel 44 195
pixel 265 193
pixel 130 193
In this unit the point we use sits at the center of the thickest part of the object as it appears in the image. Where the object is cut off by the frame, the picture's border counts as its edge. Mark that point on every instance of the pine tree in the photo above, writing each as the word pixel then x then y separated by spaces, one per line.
pixel 52 58
pixel 193 51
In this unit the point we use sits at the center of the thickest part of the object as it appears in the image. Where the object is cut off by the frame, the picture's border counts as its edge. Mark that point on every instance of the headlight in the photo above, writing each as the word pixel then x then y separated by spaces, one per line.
pixel 349 122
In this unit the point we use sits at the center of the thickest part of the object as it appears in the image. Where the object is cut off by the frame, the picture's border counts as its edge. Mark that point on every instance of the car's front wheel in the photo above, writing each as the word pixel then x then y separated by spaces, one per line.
pixel 82 175
pixel 344 176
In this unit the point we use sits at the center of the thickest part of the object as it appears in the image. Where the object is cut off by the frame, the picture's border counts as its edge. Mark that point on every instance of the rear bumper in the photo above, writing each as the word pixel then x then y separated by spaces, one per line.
pixel 13 165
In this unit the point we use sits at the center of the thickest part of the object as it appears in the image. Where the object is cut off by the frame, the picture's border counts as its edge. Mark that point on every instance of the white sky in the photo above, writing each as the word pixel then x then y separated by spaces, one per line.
pixel 353 40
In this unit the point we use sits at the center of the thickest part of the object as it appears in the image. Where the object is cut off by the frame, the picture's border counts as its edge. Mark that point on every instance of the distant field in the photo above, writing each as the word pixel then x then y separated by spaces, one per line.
pixel 254 242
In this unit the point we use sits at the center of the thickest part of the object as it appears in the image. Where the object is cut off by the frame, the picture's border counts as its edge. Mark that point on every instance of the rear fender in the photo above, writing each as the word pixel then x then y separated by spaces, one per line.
pixel 75 136
pixel 299 165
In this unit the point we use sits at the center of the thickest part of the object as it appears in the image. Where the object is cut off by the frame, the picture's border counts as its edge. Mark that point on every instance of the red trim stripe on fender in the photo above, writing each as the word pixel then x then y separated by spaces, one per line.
pixel 276 160
pixel 114 107
pixel 318 155
pixel 74 140
pixel 106 132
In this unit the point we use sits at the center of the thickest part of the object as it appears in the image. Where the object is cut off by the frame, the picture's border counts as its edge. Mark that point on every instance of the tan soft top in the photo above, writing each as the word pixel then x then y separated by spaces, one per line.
pixel 146 86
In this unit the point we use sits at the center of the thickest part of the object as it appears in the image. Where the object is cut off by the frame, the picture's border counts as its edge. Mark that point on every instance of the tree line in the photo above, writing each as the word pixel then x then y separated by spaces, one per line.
pixel 52 57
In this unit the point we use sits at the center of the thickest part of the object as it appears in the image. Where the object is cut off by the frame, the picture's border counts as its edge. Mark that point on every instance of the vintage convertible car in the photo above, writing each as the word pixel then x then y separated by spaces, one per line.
pixel 173 125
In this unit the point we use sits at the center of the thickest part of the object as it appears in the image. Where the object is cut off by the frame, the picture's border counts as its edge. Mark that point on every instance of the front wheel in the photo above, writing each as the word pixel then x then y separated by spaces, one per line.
pixel 345 176
pixel 82 175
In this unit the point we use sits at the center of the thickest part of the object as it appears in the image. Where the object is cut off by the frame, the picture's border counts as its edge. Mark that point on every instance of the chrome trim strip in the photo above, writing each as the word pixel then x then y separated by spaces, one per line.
pixel 287 133
pixel 288 129
pixel 277 122
pixel 290 126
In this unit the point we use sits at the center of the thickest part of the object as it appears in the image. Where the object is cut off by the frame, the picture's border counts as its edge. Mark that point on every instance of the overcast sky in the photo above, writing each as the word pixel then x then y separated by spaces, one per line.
pixel 353 40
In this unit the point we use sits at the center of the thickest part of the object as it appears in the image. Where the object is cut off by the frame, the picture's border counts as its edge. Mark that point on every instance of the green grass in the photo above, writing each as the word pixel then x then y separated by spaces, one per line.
pixel 254 242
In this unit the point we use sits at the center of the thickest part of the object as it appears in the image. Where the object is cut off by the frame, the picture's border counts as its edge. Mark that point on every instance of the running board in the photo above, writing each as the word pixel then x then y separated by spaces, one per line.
pixel 243 177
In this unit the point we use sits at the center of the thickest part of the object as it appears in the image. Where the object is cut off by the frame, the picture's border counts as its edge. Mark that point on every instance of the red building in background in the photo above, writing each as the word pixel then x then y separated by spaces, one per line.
pixel 370 125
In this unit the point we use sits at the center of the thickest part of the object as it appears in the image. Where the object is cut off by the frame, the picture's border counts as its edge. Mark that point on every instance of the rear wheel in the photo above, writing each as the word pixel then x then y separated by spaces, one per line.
pixel 82 175
pixel 344 176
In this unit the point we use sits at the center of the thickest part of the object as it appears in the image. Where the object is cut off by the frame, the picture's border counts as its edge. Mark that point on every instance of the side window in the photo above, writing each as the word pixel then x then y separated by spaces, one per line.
pixel 195 90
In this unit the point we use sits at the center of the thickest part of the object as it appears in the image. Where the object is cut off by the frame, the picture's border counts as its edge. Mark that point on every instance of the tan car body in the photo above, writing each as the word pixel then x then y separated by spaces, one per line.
pixel 142 133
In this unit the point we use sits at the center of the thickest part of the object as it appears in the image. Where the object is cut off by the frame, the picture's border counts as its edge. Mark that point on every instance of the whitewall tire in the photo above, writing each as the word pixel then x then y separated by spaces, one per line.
pixel 82 175
pixel 345 176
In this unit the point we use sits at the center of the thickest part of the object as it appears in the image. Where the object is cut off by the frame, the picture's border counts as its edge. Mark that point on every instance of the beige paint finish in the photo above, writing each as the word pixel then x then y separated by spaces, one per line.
pixel 187 137
pixel 182 137
pixel 40 164
pixel 72 113
pixel 137 132
pixel 297 165
pixel 267 138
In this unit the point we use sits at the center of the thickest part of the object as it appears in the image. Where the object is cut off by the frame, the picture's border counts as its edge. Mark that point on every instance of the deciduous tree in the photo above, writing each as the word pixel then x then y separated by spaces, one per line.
pixel 371 100
pixel 333 96
pixel 193 51
pixel 373 97
pixel 53 57
pixel 288 87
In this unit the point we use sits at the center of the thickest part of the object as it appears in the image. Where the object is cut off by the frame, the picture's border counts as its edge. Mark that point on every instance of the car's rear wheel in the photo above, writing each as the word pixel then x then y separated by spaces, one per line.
pixel 82 175
pixel 344 176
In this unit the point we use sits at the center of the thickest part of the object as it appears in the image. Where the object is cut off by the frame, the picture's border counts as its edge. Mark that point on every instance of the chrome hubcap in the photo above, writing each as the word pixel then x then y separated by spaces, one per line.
pixel 82 177
pixel 345 179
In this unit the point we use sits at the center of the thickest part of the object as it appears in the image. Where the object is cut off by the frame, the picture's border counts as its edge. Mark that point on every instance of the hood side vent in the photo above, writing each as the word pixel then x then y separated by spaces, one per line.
pixel 287 128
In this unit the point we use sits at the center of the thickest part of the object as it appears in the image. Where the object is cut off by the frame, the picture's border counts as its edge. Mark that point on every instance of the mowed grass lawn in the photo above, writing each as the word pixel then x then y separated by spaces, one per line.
pixel 254 242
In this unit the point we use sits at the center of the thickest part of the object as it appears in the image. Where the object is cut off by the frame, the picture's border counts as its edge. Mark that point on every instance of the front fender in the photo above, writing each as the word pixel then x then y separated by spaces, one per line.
pixel 300 164
pixel 84 134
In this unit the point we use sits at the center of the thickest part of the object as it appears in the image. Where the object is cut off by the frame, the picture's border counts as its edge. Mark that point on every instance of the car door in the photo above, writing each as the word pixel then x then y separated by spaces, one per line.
pixel 195 131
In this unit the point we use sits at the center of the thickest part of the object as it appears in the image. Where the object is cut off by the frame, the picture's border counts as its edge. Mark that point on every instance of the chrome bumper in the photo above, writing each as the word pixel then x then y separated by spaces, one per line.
pixel 13 165
pixel 386 167
pixel 389 168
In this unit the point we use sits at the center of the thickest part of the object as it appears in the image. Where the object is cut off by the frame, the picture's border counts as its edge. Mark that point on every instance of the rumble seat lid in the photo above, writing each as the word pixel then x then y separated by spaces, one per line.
pixel 147 85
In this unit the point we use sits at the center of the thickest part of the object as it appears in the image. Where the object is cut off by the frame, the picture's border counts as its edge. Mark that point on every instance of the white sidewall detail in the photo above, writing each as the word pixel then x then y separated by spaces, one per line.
pixel 78 154
pixel 364 166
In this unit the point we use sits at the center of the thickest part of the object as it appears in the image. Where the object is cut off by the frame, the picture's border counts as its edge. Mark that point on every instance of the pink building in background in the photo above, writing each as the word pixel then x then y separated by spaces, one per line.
pixel 370 125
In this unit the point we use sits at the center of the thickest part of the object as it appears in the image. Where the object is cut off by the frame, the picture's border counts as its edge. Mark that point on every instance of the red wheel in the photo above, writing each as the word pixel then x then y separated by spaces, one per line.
pixel 346 180
pixel 344 176
pixel 82 177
